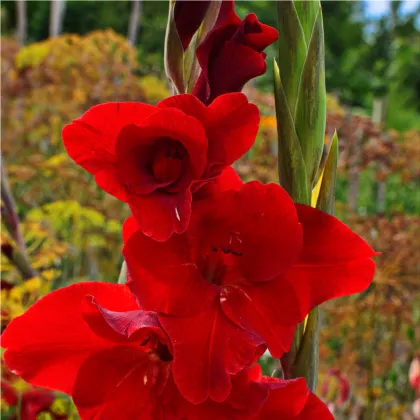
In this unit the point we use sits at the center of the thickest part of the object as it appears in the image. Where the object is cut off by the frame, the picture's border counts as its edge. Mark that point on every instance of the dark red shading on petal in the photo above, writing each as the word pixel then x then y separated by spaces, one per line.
pixel 128 390
pixel 226 14
pixel 163 276
pixel 52 335
pixel 212 351
pixel 188 17
pixel 243 63
pixel 90 140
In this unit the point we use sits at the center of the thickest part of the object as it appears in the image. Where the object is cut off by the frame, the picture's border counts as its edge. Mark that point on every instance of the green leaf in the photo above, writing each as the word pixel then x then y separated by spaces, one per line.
pixel 292 173
pixel 311 104
pixel 326 195
pixel 174 53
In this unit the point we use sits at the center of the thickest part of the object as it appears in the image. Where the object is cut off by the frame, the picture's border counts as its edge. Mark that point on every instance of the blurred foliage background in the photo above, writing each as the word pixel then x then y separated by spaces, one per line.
pixel 62 229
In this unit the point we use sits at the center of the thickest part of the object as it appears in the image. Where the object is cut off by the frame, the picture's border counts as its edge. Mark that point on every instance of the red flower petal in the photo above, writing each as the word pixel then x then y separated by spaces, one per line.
pixel 170 123
pixel 317 284
pixel 254 34
pixel 48 344
pixel 90 140
pixel 108 181
pixel 328 240
pixel 120 326
pixel 163 276
pixel 270 310
pixel 159 215
pixel 232 125
pixel 314 409
pixel 188 16
pixel 127 388
pixel 188 104
pixel 228 180
pixel 207 349
pixel 334 262
pixel 265 236
pixel 286 399
pixel 130 227
pixel 244 402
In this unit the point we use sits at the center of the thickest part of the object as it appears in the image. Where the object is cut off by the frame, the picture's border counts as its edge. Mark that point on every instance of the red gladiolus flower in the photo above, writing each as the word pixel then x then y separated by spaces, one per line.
pixel 154 157
pixel 91 341
pixel 232 53
pixel 250 267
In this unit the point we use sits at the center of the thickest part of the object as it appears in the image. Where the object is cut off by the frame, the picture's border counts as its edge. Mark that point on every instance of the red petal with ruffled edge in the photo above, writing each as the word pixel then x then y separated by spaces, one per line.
pixel 231 124
pixel 335 261
pixel 90 140
pixel 48 344
pixel 210 352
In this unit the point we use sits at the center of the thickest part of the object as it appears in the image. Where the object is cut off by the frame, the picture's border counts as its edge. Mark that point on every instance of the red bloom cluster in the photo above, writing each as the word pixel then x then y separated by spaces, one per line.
pixel 244 267
pixel 218 271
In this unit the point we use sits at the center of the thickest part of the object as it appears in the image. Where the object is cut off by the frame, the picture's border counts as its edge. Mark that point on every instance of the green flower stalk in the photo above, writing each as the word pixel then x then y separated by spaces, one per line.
pixel 300 94
pixel 299 87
